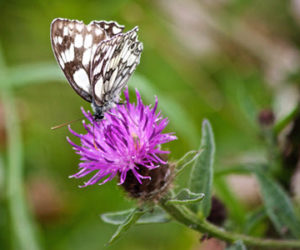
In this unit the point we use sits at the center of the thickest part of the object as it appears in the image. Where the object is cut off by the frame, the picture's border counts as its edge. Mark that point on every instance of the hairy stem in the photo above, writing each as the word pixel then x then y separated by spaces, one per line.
pixel 185 216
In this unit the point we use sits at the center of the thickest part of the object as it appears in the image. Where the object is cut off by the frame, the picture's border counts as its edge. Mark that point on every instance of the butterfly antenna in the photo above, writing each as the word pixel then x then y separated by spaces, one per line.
pixel 66 123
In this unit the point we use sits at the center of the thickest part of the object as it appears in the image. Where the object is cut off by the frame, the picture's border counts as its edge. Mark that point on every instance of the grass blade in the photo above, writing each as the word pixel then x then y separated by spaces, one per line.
pixel 278 206
pixel 22 223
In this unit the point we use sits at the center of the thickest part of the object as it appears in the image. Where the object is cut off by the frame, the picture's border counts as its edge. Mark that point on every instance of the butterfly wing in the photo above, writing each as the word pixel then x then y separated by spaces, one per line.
pixel 73 44
pixel 111 28
pixel 113 63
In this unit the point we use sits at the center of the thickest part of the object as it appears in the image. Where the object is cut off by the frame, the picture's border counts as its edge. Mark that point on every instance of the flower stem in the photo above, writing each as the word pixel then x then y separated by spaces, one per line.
pixel 185 216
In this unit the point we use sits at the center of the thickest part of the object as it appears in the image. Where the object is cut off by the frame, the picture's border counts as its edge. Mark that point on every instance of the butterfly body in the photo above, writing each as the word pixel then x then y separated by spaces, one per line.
pixel 97 59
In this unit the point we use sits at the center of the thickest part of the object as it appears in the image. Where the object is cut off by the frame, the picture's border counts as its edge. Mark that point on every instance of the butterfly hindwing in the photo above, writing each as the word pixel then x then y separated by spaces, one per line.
pixel 113 63
pixel 73 44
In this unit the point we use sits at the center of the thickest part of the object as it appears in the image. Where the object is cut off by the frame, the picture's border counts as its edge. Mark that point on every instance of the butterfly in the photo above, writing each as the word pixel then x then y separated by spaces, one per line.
pixel 97 59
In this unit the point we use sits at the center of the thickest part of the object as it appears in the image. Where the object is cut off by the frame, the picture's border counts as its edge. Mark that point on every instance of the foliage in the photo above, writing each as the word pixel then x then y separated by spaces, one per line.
pixel 249 64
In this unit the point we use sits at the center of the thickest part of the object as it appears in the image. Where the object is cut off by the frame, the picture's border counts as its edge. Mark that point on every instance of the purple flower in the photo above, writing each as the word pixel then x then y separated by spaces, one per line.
pixel 128 138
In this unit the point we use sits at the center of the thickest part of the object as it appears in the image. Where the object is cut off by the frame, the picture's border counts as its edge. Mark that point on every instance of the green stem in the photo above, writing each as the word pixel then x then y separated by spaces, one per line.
pixel 21 222
pixel 185 216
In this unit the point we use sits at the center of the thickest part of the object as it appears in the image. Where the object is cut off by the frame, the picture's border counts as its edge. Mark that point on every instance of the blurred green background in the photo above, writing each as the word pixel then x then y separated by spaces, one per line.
pixel 224 60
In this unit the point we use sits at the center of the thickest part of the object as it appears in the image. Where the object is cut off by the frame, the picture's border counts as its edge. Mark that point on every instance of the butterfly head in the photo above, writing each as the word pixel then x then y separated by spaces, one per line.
pixel 98 112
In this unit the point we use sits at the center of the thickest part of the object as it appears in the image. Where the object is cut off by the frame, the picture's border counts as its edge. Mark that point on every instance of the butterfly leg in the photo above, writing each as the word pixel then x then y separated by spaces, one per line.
pixel 94 139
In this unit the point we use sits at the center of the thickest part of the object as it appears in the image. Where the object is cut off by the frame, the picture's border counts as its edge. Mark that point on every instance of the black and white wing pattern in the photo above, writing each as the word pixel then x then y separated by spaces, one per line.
pixel 74 45
pixel 113 63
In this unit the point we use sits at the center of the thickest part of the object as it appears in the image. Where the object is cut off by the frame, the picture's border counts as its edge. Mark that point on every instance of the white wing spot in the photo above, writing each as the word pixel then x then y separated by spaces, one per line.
pixel 82 80
pixel 112 63
pixel 60 25
pixel 59 39
pixel 125 56
pixel 132 68
pixel 86 57
pixel 96 58
pixel 107 50
pixel 66 31
pixel 78 41
pixel 63 57
pixel 71 25
pixel 88 41
pixel 116 30
pixel 99 88
pixel 79 27
pixel 66 54
pixel 89 28
pixel 106 26
pixel 98 32
pixel 112 78
pixel 131 59
pixel 98 68
pixel 70 54
pixel 133 35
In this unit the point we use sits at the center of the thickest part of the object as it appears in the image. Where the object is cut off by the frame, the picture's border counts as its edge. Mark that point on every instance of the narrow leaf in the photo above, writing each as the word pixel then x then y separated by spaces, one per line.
pixel 156 215
pixel 201 178
pixel 254 219
pixel 130 220
pixel 185 196
pixel 238 245
pixel 278 206
pixel 24 230
pixel 35 74
pixel 116 218
pixel 185 160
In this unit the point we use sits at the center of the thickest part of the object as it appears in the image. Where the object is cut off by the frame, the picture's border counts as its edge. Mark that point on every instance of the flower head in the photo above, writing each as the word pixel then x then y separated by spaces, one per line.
pixel 127 140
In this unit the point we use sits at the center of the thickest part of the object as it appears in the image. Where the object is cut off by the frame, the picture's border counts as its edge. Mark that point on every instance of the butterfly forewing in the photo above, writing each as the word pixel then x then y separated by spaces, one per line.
pixel 112 65
pixel 74 44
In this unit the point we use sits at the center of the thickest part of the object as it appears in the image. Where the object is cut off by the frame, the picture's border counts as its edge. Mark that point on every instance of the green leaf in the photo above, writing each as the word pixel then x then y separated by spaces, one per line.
pixel 238 245
pixel 129 221
pixel 156 215
pixel 278 206
pixel 201 178
pixel 184 197
pixel 116 218
pixel 185 160
pixel 254 219
pixel 35 74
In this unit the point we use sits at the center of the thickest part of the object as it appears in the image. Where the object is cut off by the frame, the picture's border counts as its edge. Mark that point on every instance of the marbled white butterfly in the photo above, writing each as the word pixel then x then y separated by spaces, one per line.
pixel 97 59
